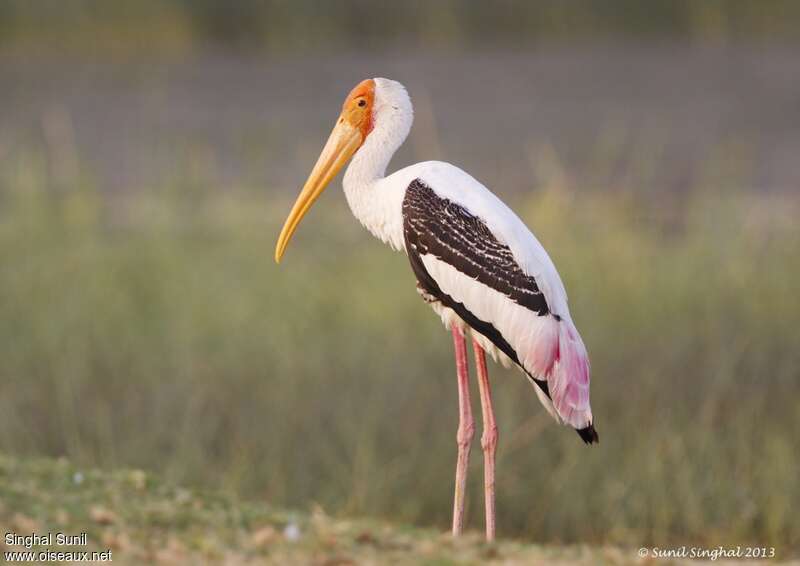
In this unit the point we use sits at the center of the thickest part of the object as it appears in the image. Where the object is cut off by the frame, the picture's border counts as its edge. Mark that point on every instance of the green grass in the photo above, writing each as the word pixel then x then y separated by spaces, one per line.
pixel 142 519
pixel 154 331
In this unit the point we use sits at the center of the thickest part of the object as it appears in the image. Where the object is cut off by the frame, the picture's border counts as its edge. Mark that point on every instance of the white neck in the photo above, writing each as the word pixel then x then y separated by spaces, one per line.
pixel 392 115
pixel 371 160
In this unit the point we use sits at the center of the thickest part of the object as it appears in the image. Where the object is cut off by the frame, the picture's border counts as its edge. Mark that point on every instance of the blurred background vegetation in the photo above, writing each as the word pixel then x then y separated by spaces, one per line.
pixel 308 25
pixel 150 150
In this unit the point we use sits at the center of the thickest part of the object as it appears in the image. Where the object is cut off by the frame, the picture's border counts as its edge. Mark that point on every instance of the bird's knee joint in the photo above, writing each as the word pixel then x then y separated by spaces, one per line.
pixel 465 434
pixel 489 438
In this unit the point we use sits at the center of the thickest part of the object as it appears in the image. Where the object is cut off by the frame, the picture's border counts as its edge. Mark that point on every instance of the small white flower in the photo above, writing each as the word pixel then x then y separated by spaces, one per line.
pixel 292 532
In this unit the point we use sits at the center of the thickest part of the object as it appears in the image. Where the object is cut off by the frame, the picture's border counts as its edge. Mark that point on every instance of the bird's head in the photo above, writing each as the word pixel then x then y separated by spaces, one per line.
pixel 372 103
pixel 351 130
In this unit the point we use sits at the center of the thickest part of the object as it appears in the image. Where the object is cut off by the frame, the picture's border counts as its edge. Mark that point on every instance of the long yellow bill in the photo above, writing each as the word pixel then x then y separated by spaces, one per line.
pixel 342 144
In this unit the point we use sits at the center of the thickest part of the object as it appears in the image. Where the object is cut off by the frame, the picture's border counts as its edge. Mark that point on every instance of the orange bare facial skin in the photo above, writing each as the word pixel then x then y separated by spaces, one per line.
pixel 357 107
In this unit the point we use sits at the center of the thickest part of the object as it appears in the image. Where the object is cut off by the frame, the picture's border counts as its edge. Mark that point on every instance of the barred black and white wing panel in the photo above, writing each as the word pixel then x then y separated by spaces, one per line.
pixel 462 263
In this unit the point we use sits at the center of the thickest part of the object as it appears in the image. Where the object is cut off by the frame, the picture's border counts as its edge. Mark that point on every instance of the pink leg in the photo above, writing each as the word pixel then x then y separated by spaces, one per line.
pixel 488 438
pixel 466 429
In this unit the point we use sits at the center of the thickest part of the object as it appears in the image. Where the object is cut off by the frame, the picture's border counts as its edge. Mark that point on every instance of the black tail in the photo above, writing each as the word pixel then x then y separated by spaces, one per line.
pixel 588 434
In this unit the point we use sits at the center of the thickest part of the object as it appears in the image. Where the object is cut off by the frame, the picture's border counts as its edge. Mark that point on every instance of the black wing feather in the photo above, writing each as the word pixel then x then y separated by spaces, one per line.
pixel 438 226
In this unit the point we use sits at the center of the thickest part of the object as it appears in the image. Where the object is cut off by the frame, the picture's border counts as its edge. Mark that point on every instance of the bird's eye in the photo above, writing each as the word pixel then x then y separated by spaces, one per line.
pixel 362 103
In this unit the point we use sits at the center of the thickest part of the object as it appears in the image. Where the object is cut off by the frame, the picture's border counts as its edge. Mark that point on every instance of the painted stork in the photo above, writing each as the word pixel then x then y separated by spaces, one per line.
pixel 477 265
